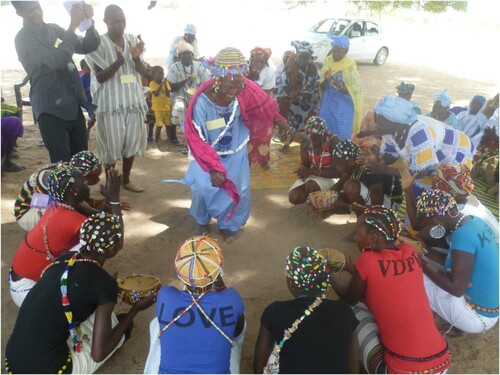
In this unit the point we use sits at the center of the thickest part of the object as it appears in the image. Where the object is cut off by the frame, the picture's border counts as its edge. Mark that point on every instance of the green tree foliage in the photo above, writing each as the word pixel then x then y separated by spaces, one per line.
pixel 426 5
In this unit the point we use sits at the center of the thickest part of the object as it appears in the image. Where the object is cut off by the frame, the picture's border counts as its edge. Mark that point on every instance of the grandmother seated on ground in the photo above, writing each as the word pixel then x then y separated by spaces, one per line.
pixel 472 121
pixel 203 321
pixel 441 110
pixel 419 140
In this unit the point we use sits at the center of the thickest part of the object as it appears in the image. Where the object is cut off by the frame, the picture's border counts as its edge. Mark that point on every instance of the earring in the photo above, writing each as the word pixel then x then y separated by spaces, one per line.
pixel 437 231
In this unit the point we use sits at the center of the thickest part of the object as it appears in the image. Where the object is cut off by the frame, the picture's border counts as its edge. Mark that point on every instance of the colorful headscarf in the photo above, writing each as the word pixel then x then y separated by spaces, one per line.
pixel 183 46
pixel 340 41
pixel 228 62
pixel 405 88
pixel 396 110
pixel 316 125
pixel 264 52
pixel 384 220
pixel 59 181
pixel 303 46
pixel 199 261
pixel 99 232
pixel 190 29
pixel 346 150
pixel 435 202
pixel 444 98
pixel 87 162
pixel 307 269
pixel 455 180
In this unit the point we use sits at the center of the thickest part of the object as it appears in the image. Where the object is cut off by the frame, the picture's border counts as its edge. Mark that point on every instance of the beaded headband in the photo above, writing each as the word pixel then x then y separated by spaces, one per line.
pixel 374 215
pixel 316 125
pixel 436 202
pixel 228 62
pixel 59 181
pixel 307 270
pixel 99 232
pixel 87 162
pixel 346 150
pixel 199 261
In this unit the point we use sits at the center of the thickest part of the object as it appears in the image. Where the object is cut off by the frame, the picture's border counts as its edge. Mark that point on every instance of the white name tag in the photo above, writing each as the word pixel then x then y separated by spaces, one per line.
pixel 127 78
pixel 56 44
pixel 215 124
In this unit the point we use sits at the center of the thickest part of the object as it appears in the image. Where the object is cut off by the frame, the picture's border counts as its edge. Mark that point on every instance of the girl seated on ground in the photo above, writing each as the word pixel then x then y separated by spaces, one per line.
pixel 316 172
pixel 80 334
pixel 199 329
pixel 308 334
pixel 396 332
pixel 357 188
pixel 463 287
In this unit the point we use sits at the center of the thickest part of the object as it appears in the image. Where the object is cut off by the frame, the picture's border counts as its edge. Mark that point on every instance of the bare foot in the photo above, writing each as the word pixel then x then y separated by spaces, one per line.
pixel 229 236
pixel 202 230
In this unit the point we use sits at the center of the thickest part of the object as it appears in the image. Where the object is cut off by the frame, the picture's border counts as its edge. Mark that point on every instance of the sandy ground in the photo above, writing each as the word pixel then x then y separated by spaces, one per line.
pixel 254 263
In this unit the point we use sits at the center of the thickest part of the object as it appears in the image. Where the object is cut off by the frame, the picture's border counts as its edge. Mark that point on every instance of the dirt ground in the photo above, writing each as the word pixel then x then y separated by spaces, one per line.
pixel 254 263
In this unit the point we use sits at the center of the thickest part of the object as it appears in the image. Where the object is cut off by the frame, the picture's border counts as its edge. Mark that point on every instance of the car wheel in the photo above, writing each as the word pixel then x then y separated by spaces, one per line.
pixel 381 57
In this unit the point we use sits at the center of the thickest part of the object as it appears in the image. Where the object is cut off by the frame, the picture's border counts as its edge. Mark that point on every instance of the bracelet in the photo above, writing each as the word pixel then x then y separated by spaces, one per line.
pixel 114 202
pixel 290 131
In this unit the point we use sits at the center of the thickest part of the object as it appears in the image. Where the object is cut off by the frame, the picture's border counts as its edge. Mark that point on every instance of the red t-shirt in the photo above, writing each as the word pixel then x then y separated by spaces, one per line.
pixel 396 296
pixel 63 226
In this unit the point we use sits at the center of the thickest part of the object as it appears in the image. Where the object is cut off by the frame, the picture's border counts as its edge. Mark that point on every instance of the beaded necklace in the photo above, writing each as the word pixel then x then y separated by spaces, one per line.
pixel 459 222
pixel 67 261
pixel 210 320
pixel 324 148
pixel 271 367
pixel 50 256
pixel 169 324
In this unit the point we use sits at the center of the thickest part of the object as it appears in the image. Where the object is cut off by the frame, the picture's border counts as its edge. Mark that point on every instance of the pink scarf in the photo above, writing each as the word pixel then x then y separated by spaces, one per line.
pixel 258 112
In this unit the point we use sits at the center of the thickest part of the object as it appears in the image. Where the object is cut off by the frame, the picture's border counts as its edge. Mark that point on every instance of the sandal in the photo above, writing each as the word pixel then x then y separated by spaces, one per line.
pixel 229 236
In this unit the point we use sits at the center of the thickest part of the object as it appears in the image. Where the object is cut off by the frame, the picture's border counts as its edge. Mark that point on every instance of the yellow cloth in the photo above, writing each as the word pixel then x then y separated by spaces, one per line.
pixel 160 103
pixel 352 81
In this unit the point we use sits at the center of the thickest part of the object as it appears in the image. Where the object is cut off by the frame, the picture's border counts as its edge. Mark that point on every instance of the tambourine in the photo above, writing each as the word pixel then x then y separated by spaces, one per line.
pixel 335 259
pixel 322 199
pixel 134 287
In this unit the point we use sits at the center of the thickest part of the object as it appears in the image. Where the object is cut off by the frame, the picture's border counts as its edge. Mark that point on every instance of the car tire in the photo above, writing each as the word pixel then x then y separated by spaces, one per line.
pixel 381 56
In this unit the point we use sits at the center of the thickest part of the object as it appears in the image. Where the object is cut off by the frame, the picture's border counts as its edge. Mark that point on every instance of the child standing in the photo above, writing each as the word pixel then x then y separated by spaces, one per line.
pixel 160 90
pixel 85 77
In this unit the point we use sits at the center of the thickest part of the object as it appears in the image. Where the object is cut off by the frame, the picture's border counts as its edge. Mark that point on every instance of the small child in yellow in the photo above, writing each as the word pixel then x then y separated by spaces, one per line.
pixel 160 90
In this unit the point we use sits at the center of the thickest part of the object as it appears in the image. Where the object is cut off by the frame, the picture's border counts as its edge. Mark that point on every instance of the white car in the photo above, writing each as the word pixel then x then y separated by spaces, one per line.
pixel 365 37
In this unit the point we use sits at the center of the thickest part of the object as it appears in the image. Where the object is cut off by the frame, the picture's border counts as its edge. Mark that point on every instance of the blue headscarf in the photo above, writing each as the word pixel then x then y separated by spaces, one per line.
pixel 341 41
pixel 396 110
pixel 444 98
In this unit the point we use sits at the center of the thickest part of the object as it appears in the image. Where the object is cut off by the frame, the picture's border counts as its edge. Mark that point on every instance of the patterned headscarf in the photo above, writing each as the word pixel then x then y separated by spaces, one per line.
pixel 59 181
pixel 405 88
pixel 435 202
pixel 340 41
pixel 396 110
pixel 316 125
pixel 264 52
pixel 444 98
pixel 303 46
pixel 384 220
pixel 346 150
pixel 228 62
pixel 99 232
pixel 307 269
pixel 87 162
pixel 199 261
pixel 455 180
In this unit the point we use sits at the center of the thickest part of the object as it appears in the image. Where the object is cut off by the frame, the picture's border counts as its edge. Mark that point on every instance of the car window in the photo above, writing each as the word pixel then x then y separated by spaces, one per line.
pixel 371 28
pixel 356 30
pixel 324 26
pixel 338 26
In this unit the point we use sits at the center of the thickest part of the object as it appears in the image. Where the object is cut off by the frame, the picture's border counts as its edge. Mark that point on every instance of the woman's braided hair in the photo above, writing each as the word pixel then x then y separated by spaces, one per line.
pixel 384 220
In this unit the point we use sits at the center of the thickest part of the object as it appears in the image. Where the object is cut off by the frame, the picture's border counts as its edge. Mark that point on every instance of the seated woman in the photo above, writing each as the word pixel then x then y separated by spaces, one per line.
pixel 201 328
pixel 358 189
pixel 11 129
pixel 316 172
pixel 397 332
pixel 465 294
pixel 80 334
pixel 472 121
pixel 441 110
pixel 405 90
pixel 421 141
pixel 322 331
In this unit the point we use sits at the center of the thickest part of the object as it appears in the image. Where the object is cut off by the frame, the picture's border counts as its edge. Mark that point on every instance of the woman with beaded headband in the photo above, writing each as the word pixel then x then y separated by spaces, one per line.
pixel 357 189
pixel 71 308
pixel 297 87
pixel 223 115
pixel 203 321
pixel 397 333
pixel 463 288
pixel 322 331
pixel 316 171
